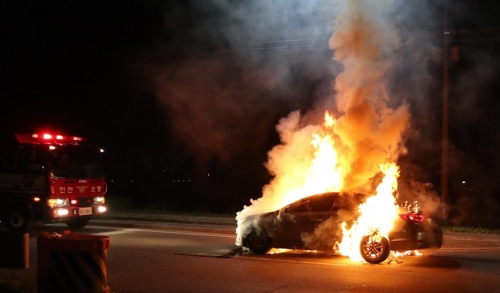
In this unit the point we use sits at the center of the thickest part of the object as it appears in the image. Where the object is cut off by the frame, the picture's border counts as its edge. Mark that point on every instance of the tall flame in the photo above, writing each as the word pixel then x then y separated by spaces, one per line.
pixel 325 171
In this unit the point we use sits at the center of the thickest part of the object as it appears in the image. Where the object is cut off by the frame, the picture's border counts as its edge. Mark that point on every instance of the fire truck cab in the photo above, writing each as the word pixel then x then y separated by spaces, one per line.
pixel 50 178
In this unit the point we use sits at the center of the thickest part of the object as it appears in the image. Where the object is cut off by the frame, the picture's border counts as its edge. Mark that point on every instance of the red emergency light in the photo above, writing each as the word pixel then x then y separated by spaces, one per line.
pixel 46 137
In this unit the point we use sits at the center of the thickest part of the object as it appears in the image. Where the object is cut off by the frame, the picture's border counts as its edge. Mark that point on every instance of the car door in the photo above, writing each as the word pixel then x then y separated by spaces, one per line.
pixel 301 217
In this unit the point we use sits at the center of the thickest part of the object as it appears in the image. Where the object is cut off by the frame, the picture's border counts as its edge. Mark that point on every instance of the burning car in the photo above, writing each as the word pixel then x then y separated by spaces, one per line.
pixel 315 222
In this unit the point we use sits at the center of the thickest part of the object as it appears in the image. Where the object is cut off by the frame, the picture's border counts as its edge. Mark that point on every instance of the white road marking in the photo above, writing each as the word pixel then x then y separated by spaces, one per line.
pixel 464 238
pixel 288 261
pixel 112 233
pixel 126 230
pixel 484 248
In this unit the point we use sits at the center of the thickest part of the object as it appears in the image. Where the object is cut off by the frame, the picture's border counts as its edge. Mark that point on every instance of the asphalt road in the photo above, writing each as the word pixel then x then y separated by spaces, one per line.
pixel 201 257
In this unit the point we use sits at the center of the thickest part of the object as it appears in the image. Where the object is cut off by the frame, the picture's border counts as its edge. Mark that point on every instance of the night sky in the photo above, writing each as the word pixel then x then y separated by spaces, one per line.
pixel 191 91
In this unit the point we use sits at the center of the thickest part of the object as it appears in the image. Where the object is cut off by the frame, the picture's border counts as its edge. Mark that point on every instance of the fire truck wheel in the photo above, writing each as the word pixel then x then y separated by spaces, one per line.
pixel 17 220
pixel 78 223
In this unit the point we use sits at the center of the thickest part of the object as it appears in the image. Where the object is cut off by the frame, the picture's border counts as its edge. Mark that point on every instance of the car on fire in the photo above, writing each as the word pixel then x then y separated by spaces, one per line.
pixel 314 222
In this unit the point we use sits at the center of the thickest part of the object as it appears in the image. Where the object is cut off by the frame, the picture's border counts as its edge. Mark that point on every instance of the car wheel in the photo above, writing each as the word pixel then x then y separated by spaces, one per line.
pixel 374 250
pixel 78 223
pixel 17 220
pixel 258 241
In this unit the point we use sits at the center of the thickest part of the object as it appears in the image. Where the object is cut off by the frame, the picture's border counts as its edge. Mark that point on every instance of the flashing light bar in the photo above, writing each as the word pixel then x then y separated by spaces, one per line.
pixel 48 136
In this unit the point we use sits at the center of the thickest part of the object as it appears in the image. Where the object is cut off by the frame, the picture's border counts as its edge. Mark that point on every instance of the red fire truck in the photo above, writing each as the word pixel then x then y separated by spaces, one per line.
pixel 48 177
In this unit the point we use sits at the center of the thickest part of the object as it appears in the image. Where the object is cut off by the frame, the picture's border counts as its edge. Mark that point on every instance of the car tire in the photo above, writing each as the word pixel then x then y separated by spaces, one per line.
pixel 374 251
pixel 78 223
pixel 258 241
pixel 17 220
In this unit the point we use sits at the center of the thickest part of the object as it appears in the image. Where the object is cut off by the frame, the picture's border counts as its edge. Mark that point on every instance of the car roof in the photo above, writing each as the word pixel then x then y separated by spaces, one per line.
pixel 347 200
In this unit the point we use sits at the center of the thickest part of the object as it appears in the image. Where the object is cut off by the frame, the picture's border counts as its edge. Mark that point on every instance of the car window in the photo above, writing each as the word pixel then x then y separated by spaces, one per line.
pixel 348 200
pixel 318 203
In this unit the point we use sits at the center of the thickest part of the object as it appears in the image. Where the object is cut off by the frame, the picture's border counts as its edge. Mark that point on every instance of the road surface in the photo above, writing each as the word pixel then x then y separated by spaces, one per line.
pixel 192 258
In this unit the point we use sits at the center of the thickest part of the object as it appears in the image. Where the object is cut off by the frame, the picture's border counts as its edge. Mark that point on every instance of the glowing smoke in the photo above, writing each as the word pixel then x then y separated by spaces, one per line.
pixel 368 132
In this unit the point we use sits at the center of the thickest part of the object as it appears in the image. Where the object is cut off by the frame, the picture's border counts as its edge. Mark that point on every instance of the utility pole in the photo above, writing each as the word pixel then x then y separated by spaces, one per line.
pixel 445 140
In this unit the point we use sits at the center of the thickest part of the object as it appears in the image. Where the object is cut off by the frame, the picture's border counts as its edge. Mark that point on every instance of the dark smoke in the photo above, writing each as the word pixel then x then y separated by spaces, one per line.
pixel 229 70
pixel 226 72
pixel 224 76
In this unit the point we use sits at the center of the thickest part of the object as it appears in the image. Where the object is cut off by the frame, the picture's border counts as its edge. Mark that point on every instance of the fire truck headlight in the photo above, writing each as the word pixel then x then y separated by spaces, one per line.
pixel 62 212
pixel 57 202
pixel 99 200
pixel 101 209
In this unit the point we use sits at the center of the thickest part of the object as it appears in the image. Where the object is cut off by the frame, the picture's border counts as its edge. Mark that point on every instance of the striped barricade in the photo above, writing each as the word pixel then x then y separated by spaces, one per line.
pixel 72 263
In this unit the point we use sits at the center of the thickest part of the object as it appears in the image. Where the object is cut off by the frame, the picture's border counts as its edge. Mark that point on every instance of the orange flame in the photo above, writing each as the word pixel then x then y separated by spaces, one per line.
pixel 376 214
pixel 325 171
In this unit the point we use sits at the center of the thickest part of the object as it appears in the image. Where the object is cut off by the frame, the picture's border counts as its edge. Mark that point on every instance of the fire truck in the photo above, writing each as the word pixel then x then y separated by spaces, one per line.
pixel 50 178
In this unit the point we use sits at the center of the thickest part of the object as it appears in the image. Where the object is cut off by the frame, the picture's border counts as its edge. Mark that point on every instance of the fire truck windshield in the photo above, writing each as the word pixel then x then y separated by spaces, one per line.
pixel 75 162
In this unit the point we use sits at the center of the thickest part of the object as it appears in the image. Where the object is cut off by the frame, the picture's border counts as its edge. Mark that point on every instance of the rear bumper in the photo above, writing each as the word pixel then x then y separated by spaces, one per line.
pixel 432 239
pixel 416 236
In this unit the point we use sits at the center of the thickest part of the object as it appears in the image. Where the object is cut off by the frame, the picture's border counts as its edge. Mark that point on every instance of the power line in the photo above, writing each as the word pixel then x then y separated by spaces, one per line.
pixel 309 42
